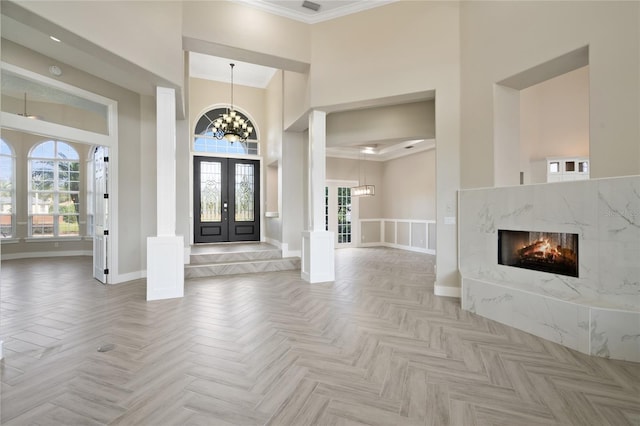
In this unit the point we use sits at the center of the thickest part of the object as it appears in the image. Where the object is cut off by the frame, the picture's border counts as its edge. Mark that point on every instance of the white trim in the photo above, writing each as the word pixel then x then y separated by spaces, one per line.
pixel 394 244
pixel 54 239
pixel 39 254
pixel 273 242
pixel 316 17
pixel 129 276
pixel 440 290
pixel 187 255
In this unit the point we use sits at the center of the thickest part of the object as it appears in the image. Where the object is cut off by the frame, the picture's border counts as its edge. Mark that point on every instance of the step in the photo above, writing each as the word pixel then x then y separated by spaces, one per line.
pixel 233 252
pixel 241 267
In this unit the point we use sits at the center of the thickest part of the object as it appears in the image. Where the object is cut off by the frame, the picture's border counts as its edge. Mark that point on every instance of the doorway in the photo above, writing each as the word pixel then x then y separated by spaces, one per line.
pixel 341 213
pixel 226 200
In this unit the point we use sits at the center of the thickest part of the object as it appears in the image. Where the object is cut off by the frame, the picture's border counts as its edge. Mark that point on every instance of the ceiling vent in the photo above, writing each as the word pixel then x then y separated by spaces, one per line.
pixel 311 5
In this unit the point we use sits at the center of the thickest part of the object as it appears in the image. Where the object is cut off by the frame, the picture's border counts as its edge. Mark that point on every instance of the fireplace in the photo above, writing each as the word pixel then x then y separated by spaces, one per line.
pixel 553 252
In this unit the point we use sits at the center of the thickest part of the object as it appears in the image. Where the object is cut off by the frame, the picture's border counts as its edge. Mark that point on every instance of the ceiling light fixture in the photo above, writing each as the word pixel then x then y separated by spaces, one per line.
pixel 24 113
pixel 56 39
pixel 232 125
pixel 363 190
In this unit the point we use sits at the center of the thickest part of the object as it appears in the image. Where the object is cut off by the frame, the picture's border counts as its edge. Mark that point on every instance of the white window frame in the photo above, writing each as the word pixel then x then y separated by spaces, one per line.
pixel 56 190
pixel 12 157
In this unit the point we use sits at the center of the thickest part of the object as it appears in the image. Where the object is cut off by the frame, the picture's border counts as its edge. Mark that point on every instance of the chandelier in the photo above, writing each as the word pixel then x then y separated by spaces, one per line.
pixel 363 190
pixel 231 125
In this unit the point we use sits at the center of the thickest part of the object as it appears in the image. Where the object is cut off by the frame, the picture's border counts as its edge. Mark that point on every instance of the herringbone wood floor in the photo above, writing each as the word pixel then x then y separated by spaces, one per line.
pixel 376 347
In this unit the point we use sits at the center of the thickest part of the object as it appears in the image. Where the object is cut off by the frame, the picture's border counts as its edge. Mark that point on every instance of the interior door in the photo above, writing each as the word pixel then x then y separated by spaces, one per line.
pixel 101 213
pixel 226 200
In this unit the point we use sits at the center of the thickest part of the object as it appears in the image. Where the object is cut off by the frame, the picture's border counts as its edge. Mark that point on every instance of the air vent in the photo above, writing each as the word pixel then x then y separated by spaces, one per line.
pixel 311 5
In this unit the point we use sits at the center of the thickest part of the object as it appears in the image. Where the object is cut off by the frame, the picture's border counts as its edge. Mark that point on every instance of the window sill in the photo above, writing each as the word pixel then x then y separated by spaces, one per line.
pixel 52 239
pixel 9 240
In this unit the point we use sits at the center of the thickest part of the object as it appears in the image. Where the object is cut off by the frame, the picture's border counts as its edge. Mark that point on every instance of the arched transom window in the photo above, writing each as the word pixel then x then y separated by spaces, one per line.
pixel 54 190
pixel 205 141
pixel 7 190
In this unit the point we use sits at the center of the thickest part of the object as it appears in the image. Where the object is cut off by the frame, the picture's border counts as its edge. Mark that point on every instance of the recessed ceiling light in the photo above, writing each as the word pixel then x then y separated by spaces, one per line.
pixel 57 40
pixel 55 70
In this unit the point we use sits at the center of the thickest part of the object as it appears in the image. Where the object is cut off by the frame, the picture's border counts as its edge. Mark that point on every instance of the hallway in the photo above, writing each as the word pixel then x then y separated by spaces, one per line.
pixel 374 347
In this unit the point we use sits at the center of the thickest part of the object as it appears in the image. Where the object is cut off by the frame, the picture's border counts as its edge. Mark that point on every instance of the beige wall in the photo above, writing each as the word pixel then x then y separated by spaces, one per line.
pixel 493 50
pixel 237 26
pixel 422 54
pixel 357 171
pixel 554 121
pixel 146 33
pixel 415 120
pixel 409 187
pixel 382 62
pixel 131 239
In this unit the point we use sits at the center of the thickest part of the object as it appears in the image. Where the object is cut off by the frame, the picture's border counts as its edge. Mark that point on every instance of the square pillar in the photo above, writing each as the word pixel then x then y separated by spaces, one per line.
pixel 318 263
pixel 165 259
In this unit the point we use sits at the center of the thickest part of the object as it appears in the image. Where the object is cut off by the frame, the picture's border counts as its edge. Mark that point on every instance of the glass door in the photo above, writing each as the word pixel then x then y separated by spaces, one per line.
pixel 341 213
pixel 226 200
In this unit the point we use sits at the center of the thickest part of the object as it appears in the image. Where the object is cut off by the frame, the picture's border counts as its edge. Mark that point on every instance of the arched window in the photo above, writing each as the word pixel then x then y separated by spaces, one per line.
pixel 206 141
pixel 7 190
pixel 54 190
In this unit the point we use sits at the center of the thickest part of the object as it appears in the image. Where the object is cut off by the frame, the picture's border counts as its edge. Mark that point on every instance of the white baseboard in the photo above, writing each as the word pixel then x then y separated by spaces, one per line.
pixel 291 253
pixel 38 254
pixel 399 246
pixel 440 290
pixel 273 242
pixel 129 276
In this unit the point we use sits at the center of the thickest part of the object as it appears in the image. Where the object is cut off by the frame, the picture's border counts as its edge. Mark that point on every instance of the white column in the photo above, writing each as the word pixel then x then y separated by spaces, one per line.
pixel 317 244
pixel 165 259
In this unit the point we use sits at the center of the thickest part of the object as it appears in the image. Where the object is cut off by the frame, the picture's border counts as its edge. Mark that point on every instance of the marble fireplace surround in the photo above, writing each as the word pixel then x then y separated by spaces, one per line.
pixel 598 312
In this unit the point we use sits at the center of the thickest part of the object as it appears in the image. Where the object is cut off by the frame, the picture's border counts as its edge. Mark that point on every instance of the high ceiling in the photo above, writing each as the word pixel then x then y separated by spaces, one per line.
pixel 246 74
pixel 327 9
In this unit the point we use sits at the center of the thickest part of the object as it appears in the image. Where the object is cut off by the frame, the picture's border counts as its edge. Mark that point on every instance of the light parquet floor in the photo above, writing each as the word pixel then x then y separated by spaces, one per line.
pixel 375 347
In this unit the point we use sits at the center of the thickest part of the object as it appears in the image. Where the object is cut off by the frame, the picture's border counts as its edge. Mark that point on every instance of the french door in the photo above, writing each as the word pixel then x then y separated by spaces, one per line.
pixel 100 213
pixel 341 213
pixel 226 200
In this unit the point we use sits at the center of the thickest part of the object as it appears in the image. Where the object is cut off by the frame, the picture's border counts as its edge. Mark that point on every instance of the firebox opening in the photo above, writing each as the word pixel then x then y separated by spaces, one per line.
pixel 553 252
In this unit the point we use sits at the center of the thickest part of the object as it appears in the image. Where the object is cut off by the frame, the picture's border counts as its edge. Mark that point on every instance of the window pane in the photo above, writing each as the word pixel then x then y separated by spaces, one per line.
pixel 6 230
pixel 44 150
pixel 66 152
pixel 210 181
pixel 244 192
pixel 42 226
pixel 68 203
pixel 68 225
pixel 4 148
pixel 41 203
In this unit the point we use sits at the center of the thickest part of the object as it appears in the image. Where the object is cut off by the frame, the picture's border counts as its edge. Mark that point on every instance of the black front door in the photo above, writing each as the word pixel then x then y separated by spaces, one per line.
pixel 226 199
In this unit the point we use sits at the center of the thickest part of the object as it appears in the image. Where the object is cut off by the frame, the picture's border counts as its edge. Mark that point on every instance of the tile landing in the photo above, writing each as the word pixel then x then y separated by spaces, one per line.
pixel 208 260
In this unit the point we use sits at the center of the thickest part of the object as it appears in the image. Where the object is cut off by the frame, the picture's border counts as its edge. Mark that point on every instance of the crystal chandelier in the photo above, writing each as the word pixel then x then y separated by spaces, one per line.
pixel 231 125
